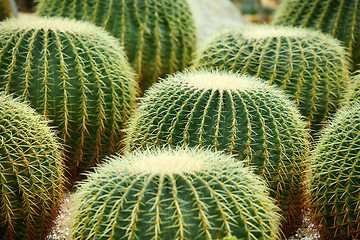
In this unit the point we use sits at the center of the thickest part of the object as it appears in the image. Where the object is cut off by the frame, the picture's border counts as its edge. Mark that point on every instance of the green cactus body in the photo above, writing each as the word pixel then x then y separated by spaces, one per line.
pixel 31 172
pixel 158 36
pixel 76 75
pixel 232 113
pixel 174 194
pixel 309 66
pixel 336 176
pixel 340 18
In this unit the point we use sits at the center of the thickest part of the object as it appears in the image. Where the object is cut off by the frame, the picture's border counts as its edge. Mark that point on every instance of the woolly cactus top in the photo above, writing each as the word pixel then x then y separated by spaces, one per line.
pixel 215 80
pixel 58 24
pixel 266 31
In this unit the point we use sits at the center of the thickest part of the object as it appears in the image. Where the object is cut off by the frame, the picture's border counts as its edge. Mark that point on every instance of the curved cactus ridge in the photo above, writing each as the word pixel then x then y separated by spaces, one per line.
pixel 174 194
pixel 335 179
pixel 158 36
pixel 75 74
pixel 31 172
pixel 340 18
pixel 310 67
pixel 232 113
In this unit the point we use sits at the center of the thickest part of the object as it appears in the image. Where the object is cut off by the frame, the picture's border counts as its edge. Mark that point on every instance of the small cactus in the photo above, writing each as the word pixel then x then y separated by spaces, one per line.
pixel 341 19
pixel 158 36
pixel 335 180
pixel 232 113
pixel 173 194
pixel 309 66
pixel 31 172
pixel 75 74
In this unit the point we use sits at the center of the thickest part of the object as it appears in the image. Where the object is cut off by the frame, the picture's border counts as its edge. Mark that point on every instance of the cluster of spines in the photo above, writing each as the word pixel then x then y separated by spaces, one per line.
pixel 76 75
pixel 309 66
pixel 341 19
pixel 335 176
pixel 256 122
pixel 129 199
pixel 159 36
pixel 31 172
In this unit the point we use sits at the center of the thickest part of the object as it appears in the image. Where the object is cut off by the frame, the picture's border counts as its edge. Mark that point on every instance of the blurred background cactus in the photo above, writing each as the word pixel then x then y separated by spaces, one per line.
pixel 159 36
pixel 75 74
pixel 339 18
pixel 31 172
pixel 5 9
pixel 336 176
pixel 236 114
pixel 311 67
pixel 174 194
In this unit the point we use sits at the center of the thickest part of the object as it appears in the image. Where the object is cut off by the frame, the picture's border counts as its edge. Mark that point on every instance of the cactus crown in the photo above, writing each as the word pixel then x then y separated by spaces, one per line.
pixel 220 198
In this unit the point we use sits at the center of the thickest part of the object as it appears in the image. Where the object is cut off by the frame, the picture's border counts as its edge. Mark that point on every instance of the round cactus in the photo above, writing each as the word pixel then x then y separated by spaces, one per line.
pixel 232 113
pixel 76 75
pixel 336 176
pixel 31 172
pixel 309 66
pixel 174 194
pixel 341 19
pixel 159 36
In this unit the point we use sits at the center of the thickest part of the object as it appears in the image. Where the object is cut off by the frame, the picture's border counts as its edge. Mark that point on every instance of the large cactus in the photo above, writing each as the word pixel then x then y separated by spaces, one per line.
pixel 174 194
pixel 31 172
pixel 232 113
pixel 340 18
pixel 75 74
pixel 335 183
pixel 309 66
pixel 159 36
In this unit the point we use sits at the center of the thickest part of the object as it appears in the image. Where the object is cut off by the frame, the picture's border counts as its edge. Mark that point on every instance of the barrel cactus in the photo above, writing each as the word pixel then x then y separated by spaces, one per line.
pixel 335 183
pixel 31 172
pixel 340 18
pixel 232 113
pixel 159 36
pixel 309 66
pixel 76 75
pixel 174 194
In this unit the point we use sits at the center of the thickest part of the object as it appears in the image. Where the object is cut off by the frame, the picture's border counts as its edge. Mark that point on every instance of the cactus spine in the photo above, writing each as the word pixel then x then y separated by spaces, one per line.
pixel 31 172
pixel 232 113
pixel 335 176
pixel 75 74
pixel 159 36
pixel 340 18
pixel 174 194
pixel 309 66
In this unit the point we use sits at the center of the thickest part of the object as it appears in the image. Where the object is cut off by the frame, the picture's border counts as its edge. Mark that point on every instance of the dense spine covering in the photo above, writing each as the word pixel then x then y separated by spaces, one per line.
pixel 31 172
pixel 174 194
pixel 335 176
pixel 232 113
pixel 340 18
pixel 159 36
pixel 309 66
pixel 76 75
